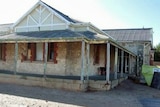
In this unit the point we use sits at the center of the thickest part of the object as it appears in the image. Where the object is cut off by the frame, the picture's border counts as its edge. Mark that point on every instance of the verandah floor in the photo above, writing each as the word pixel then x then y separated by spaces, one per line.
pixel 95 77
pixel 60 82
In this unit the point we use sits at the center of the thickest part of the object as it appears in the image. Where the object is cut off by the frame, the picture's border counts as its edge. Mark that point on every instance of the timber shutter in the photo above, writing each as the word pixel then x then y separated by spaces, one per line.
pixel 55 53
pixel 96 54
pixel 33 52
pixel 4 52
pixel 52 52
pixel 43 51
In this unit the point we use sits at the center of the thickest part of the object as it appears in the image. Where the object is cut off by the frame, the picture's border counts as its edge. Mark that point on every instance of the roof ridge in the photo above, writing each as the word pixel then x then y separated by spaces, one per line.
pixel 62 14
pixel 128 29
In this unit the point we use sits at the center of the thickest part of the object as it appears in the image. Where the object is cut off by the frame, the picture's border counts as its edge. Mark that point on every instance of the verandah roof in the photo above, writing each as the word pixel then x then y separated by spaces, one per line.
pixel 54 35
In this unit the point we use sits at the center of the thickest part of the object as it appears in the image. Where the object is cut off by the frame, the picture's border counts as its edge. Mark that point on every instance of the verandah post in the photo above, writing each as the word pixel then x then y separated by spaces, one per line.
pixel 122 62
pixel 115 63
pixel 45 58
pixel 130 63
pixel 126 63
pixel 16 57
pixel 88 61
pixel 82 59
pixel 108 62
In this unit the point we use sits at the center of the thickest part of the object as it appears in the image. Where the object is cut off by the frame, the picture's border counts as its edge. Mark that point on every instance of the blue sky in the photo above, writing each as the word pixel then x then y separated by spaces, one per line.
pixel 105 14
pixel 136 14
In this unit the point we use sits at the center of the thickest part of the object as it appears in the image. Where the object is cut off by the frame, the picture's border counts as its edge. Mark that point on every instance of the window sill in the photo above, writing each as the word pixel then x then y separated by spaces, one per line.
pixel 42 62
pixel 28 61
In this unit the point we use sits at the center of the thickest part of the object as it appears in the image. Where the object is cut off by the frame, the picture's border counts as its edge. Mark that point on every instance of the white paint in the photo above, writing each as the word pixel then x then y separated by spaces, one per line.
pixel 115 63
pixel 82 60
pixel 108 62
pixel 40 15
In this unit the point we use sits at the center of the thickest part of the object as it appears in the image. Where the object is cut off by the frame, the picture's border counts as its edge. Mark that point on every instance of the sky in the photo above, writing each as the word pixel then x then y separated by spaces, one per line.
pixel 105 14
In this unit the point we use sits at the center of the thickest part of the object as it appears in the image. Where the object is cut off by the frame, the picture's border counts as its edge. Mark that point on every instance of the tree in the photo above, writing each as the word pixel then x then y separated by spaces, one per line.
pixel 157 53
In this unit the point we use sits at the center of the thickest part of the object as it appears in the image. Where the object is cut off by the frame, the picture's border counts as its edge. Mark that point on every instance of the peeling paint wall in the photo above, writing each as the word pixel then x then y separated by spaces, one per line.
pixel 102 63
pixel 73 58
pixel 94 67
pixel 9 63
pixel 69 60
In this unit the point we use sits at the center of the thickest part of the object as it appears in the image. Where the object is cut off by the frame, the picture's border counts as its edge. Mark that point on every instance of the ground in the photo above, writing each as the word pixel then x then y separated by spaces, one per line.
pixel 127 94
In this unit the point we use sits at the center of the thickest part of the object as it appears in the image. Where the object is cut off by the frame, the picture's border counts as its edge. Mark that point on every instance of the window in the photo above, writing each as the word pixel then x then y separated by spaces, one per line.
pixel 36 52
pixel 96 54
pixel 31 52
pixel 2 51
pixel 39 52
pixel 50 52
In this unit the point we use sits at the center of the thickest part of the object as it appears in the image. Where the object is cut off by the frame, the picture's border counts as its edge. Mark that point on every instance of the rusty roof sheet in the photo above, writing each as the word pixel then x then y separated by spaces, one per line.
pixel 124 35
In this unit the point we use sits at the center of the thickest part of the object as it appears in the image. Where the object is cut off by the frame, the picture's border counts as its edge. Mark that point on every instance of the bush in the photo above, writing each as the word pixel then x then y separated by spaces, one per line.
pixel 157 56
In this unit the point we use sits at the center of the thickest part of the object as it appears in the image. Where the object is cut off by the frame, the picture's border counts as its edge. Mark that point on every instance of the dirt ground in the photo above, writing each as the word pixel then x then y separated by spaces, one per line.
pixel 127 94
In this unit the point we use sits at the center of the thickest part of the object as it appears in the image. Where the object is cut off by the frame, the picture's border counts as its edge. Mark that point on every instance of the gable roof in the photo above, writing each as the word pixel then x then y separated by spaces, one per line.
pixel 59 14
pixel 128 35
pixel 62 14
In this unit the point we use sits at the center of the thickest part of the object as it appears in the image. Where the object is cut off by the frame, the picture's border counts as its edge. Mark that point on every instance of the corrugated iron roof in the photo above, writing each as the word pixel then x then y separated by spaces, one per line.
pixel 5 28
pixel 91 35
pixel 141 34
pixel 62 34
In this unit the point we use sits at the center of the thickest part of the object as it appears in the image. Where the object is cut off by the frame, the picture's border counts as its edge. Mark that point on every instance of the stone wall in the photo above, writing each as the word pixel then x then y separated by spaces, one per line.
pixel 102 60
pixel 73 58
pixel 69 60
pixel 9 63
pixel 94 67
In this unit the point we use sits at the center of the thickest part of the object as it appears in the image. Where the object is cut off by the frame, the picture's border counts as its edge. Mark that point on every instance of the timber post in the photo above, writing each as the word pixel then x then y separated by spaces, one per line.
pixel 16 58
pixel 82 60
pixel 126 63
pixel 45 59
pixel 115 63
pixel 122 61
pixel 88 61
pixel 108 62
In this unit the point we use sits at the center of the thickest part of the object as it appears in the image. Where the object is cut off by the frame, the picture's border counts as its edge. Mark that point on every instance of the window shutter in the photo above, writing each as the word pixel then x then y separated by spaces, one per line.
pixel 49 50
pixel 4 52
pixel 22 57
pixel 55 53
pixel 33 52
pixel 96 54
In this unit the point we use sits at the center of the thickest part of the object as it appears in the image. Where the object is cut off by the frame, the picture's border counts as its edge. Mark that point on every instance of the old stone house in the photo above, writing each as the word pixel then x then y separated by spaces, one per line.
pixel 48 48
pixel 138 40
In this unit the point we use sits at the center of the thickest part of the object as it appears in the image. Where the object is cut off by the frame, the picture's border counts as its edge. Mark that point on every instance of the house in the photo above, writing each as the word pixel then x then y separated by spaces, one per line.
pixel 138 40
pixel 48 48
